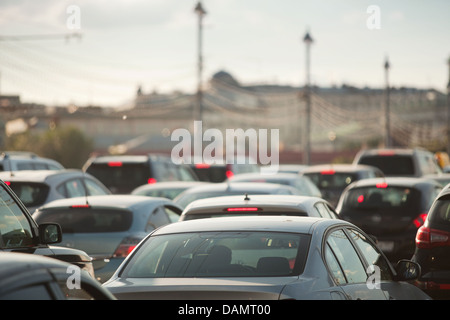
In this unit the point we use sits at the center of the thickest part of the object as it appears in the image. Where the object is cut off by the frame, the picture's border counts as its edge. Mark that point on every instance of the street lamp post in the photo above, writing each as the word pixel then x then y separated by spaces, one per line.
pixel 307 39
pixel 387 106
pixel 198 110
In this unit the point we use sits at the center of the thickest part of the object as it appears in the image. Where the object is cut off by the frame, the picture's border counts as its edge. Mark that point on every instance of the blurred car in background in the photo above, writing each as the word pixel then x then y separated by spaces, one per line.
pixel 168 189
pixel 442 178
pixel 20 233
pixel 231 189
pixel 17 160
pixel 259 205
pixel 107 227
pixel 221 172
pixel 332 179
pixel 391 209
pixel 123 173
pixel 291 168
pixel 399 162
pixel 30 277
pixel 433 248
pixel 261 258
pixel 301 183
pixel 38 187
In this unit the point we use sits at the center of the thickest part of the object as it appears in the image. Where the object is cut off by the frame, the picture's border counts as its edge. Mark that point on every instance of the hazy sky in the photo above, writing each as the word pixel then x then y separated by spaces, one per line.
pixel 153 43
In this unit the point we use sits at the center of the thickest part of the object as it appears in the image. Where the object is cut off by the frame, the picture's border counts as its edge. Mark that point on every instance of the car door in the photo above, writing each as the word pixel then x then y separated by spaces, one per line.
pixel 347 269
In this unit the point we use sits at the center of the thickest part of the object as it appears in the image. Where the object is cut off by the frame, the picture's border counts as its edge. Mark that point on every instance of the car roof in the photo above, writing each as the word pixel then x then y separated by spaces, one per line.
pixel 113 200
pixel 39 175
pixel 126 158
pixel 249 223
pixel 169 184
pixel 262 201
pixel 238 186
pixel 391 151
pixel 341 167
pixel 259 175
pixel 394 181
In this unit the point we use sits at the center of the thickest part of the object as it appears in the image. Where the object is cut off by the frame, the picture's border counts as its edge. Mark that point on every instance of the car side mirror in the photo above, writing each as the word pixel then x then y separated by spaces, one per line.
pixel 50 233
pixel 407 270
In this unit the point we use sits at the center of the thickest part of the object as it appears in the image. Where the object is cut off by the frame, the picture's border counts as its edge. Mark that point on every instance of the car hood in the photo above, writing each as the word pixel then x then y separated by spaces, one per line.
pixel 269 288
pixel 70 255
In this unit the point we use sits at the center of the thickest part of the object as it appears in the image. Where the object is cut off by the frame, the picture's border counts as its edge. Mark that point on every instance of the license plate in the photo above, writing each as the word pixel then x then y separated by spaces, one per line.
pixel 386 246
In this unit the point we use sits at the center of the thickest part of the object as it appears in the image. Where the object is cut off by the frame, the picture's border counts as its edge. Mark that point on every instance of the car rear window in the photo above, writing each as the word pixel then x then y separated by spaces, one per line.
pixel 398 165
pixel 87 220
pixel 441 211
pixel 220 254
pixel 121 177
pixel 31 194
pixel 382 197
pixel 331 179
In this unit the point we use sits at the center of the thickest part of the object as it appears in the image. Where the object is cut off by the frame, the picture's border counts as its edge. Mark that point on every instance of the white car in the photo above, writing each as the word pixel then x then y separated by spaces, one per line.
pixel 261 205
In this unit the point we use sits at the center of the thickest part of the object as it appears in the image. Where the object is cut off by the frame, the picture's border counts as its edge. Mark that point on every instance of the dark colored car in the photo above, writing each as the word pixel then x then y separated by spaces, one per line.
pixel 108 227
pixel 30 277
pixel 433 248
pixel 123 173
pixel 400 162
pixel 391 209
pixel 221 172
pixel 262 258
pixel 332 179
pixel 19 232
pixel 37 187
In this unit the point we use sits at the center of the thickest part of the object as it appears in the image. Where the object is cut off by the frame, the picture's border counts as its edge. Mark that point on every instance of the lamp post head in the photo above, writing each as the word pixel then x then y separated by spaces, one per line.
pixel 387 66
pixel 199 9
pixel 307 38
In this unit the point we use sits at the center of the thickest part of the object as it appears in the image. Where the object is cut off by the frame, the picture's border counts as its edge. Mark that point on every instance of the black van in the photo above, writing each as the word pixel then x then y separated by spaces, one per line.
pixel 123 173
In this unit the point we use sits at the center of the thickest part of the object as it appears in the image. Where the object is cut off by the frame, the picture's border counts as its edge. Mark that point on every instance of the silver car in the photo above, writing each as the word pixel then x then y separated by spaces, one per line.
pixel 107 227
pixel 262 258
pixel 261 205
pixel 38 187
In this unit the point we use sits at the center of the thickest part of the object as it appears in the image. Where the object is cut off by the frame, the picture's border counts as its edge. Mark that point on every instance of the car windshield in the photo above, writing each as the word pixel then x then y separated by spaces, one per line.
pixel 15 230
pixel 331 180
pixel 219 254
pixel 441 211
pixel 85 220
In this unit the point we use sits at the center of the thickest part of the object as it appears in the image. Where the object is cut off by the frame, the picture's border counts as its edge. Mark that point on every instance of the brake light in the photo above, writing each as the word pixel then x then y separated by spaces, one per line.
pixel 229 173
pixel 381 185
pixel 115 163
pixel 327 172
pixel 77 206
pixel 386 152
pixel 8 183
pixel 242 209
pixel 420 220
pixel 361 198
pixel 202 166
pixel 151 180
pixel 427 238
pixel 126 247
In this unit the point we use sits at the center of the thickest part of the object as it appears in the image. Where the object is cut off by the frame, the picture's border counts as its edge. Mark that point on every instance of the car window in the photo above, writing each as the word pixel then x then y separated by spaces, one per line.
pixel 391 165
pixel 157 219
pixel 15 229
pixel 87 220
pixel 382 196
pixel 323 211
pixel 342 258
pixel 441 212
pixel 185 174
pixel 72 188
pixel 223 254
pixel 33 292
pixel 31 194
pixel 24 166
pixel 172 213
pixel 371 254
pixel 93 188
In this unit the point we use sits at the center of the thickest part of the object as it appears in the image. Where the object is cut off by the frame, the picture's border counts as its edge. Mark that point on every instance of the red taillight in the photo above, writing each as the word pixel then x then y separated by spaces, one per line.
pixel 427 238
pixel 126 247
pixel 242 209
pixel 381 185
pixel 229 173
pixel 151 180
pixel 360 198
pixel 115 163
pixel 8 183
pixel 386 153
pixel 420 220
pixel 77 206
pixel 327 172
pixel 202 166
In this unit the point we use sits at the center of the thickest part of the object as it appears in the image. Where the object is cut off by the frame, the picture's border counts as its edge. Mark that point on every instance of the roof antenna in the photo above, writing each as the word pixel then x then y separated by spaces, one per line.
pixel 246 198
pixel 85 188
